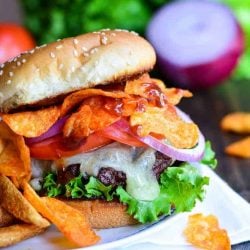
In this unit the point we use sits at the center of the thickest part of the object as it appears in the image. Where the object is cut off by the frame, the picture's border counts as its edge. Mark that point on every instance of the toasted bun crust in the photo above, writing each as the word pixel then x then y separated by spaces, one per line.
pixel 103 214
pixel 56 69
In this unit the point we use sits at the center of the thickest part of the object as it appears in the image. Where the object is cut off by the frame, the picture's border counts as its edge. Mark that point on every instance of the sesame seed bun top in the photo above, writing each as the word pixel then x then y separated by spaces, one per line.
pixel 42 75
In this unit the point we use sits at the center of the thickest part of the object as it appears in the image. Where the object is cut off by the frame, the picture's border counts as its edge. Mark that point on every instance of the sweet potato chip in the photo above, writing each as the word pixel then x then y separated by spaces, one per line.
pixel 14 203
pixel 204 232
pixel 32 123
pixel 6 218
pixel 165 122
pixel 240 148
pixel 16 233
pixel 14 154
pixel 238 122
pixel 68 220
pixel 76 98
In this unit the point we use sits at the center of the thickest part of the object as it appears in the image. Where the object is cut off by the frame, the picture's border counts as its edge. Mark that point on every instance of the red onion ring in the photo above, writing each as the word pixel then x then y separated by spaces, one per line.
pixel 54 130
pixel 190 155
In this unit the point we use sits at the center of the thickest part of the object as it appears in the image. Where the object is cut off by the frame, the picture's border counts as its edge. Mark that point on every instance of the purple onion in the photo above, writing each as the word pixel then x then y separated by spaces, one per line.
pixel 54 130
pixel 198 43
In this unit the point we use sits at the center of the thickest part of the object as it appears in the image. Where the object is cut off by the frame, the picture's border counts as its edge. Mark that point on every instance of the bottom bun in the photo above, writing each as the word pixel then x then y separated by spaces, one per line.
pixel 103 214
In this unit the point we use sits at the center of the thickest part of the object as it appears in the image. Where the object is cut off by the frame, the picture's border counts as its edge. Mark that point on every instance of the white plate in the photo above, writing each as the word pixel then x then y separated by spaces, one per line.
pixel 110 238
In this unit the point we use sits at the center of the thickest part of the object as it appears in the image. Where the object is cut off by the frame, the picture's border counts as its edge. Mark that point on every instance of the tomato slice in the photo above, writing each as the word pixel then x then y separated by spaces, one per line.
pixel 115 133
pixel 57 147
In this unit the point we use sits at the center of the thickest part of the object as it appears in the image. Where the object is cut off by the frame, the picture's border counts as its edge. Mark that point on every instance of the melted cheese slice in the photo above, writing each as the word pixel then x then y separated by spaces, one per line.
pixel 136 163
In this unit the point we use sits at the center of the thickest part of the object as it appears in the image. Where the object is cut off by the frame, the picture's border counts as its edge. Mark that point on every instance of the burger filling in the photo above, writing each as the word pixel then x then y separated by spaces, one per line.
pixel 147 181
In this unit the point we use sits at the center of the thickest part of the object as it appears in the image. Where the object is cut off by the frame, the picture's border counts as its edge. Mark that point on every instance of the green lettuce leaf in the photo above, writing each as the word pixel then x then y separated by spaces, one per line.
pixel 75 188
pixel 209 156
pixel 95 188
pixel 183 186
pixel 179 186
pixel 144 211
pixel 52 188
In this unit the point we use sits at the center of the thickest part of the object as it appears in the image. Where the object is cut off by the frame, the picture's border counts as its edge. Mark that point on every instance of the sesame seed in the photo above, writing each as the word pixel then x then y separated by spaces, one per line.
pixel 58 40
pixel 32 51
pixel 84 49
pixel 75 41
pixel 1 72
pixel 2 65
pixel 11 74
pixel 18 63
pixel 59 46
pixel 75 52
pixel 86 54
pixel 14 60
pixel 9 82
pixel 37 69
pixel 42 46
pixel 23 60
pixel 107 29
pixel 61 66
pixel 52 55
pixel 113 34
pixel 103 33
pixel 73 69
pixel 83 69
pixel 93 50
pixel 134 33
pixel 104 40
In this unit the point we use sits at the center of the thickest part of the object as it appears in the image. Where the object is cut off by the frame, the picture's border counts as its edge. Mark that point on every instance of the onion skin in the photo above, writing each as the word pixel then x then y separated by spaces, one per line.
pixel 207 72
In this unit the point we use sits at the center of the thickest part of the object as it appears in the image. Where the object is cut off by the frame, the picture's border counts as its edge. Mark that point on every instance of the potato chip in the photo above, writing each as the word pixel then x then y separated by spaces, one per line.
pixel 204 232
pixel 14 203
pixel 77 228
pixel 32 123
pixel 91 116
pixel 14 156
pixel 155 91
pixel 238 122
pixel 6 218
pixel 165 122
pixel 76 98
pixel 16 233
pixel 175 95
pixel 77 125
pixel 239 148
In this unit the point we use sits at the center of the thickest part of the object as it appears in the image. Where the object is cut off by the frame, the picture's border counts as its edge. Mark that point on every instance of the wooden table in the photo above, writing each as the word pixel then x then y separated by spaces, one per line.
pixel 207 108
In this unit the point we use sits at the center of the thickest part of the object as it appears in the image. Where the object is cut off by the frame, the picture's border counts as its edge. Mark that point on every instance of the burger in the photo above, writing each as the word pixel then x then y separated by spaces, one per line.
pixel 102 136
